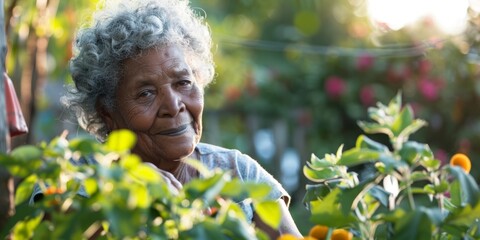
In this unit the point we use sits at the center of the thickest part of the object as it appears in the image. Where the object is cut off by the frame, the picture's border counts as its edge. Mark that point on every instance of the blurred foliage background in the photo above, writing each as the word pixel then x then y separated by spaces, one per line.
pixel 293 77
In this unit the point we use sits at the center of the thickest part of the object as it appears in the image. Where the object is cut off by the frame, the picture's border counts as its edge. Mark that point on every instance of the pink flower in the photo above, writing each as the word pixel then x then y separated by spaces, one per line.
pixel 367 95
pixel 429 89
pixel 335 86
pixel 365 61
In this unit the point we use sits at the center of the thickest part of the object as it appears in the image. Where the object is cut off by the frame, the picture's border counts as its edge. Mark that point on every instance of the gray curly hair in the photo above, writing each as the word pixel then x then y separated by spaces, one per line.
pixel 122 31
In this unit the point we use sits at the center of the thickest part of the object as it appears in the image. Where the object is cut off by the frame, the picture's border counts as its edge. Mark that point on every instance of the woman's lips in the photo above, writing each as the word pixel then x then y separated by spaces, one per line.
pixel 175 131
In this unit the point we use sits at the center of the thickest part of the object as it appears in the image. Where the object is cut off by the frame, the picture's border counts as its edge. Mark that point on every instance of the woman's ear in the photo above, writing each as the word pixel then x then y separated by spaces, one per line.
pixel 106 116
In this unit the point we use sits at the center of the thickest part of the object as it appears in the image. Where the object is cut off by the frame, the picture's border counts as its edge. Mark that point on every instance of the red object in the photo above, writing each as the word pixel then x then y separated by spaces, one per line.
pixel 16 122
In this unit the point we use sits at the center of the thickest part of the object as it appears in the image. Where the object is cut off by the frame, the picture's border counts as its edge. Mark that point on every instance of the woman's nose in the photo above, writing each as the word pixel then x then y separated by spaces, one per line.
pixel 170 103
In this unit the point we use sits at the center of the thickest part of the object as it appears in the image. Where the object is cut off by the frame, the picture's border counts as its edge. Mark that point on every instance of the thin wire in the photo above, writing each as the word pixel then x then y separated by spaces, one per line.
pixel 409 51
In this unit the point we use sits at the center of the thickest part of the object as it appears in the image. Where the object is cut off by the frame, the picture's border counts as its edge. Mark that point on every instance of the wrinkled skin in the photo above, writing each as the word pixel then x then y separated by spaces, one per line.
pixel 160 99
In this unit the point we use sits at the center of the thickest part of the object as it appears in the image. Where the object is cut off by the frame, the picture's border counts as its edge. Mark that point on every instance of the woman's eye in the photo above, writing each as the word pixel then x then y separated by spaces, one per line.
pixel 185 84
pixel 145 93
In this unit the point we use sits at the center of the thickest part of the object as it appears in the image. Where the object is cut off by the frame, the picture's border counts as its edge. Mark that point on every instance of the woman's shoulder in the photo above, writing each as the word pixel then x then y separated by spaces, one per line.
pixel 220 157
pixel 206 148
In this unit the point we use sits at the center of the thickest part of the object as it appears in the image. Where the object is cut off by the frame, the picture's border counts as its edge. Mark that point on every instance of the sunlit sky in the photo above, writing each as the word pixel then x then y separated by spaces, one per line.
pixel 450 16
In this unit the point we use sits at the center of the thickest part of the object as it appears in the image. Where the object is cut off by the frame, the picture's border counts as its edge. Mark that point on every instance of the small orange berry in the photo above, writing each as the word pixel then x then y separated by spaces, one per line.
pixel 309 238
pixel 319 232
pixel 341 234
pixel 287 237
pixel 53 190
pixel 462 161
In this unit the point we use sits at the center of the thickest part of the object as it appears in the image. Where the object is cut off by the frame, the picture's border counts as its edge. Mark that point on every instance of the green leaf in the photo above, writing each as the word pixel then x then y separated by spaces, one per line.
pixel 319 176
pixel 234 228
pixel 317 163
pixel 86 146
pixel 402 121
pixel 234 189
pixel 464 216
pixel 257 191
pixel 469 191
pixel 23 160
pixel 204 230
pixel 414 225
pixel 327 211
pixel 269 212
pixel 25 229
pixel 315 192
pixel 373 128
pixel 350 197
pixel 356 156
pixel 366 142
pixel 380 194
pixel 90 185
pixel 202 169
pixel 412 151
pixel 120 141
pixel 26 153
pixel 24 189
pixel 207 188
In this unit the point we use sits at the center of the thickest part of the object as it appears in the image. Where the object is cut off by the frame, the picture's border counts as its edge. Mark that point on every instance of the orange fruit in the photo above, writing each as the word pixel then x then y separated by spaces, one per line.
pixel 462 161
pixel 53 190
pixel 341 234
pixel 319 232
pixel 287 237
pixel 309 238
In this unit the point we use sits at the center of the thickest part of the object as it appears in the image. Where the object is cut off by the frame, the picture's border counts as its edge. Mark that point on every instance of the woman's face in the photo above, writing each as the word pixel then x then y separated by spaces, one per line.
pixel 160 99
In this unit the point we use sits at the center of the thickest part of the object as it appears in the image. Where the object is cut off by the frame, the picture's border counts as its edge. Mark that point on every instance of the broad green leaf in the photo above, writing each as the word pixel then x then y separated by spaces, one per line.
pixel 85 146
pixel 414 225
pixel 412 151
pixel 315 192
pixel 24 189
pixel 202 169
pixel 366 142
pixel 204 230
pixel 412 128
pixel 402 121
pixel 419 175
pixel 257 191
pixel 319 176
pixel 234 228
pixel 206 188
pixel 317 163
pixel 145 173
pixel 464 216
pixel 373 128
pixel 356 156
pixel 130 161
pixel 139 198
pixel 349 197
pixel 120 141
pixel 327 211
pixel 269 212
pixel 390 163
pixel 90 185
pixel 469 190
pixel 234 189
pixel 238 190
pixel 23 160
pixel 380 194
pixel 25 229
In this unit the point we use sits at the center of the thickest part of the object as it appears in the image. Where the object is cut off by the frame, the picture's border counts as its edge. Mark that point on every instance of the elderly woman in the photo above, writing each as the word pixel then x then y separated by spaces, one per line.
pixel 144 67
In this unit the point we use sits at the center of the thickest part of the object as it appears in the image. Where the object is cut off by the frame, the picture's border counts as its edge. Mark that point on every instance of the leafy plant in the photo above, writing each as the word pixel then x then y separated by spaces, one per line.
pixel 126 198
pixel 403 191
